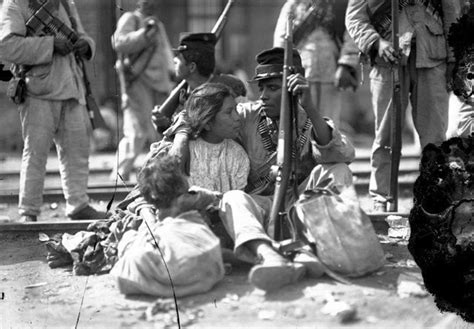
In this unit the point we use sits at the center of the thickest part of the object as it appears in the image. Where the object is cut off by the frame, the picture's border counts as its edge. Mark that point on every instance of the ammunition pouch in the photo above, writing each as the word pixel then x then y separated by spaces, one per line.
pixel 16 89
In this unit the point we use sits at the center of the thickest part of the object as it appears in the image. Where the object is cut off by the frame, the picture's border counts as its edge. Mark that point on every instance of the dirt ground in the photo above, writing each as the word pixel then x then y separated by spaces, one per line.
pixel 34 296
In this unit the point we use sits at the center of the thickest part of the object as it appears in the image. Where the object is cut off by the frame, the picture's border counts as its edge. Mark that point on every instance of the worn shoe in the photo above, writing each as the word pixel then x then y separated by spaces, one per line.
pixel 87 213
pixel 314 268
pixel 28 218
pixel 272 276
pixel 380 206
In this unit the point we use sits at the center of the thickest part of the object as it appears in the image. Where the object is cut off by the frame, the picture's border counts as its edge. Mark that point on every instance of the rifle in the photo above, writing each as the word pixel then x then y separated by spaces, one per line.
pixel 396 117
pixel 171 103
pixel 283 172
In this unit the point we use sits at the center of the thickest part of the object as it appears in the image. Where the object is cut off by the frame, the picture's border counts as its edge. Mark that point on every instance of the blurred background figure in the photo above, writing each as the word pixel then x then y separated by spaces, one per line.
pixel 144 67
pixel 330 57
pixel 106 139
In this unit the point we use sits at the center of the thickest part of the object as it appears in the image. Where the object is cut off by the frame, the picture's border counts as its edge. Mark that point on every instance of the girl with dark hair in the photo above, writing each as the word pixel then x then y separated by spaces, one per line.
pixel 217 162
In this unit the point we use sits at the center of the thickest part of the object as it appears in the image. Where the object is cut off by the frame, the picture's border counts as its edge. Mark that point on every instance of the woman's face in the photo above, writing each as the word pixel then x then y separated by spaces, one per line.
pixel 226 124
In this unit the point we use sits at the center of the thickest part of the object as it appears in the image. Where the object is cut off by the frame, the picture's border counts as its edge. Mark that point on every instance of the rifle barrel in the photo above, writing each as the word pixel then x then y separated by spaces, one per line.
pixel 396 121
pixel 172 101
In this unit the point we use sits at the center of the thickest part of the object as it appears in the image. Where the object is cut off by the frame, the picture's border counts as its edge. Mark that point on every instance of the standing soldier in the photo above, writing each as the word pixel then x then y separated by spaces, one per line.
pixel 144 65
pixel 329 56
pixel 427 64
pixel 53 108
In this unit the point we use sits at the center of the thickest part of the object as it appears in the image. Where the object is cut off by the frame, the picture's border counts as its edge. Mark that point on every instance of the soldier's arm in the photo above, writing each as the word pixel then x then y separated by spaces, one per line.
pixel 129 38
pixel 15 46
pixel 359 26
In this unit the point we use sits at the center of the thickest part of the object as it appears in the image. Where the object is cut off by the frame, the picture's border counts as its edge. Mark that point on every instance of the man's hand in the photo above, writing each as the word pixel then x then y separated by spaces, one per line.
pixel 345 78
pixel 151 30
pixel 299 86
pixel 449 76
pixel 386 51
pixel 82 48
pixel 62 47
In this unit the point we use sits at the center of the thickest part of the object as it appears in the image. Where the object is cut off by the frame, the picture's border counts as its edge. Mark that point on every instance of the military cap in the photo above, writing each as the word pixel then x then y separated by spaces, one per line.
pixel 270 63
pixel 196 41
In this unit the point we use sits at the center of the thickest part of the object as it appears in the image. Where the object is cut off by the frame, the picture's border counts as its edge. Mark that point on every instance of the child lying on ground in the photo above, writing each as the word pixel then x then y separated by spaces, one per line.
pixel 179 251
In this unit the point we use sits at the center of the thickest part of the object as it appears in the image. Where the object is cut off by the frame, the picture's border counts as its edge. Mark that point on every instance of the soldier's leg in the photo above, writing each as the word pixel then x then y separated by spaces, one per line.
pixel 37 125
pixel 381 90
pixel 430 101
pixel 137 127
pixel 72 143
pixel 244 218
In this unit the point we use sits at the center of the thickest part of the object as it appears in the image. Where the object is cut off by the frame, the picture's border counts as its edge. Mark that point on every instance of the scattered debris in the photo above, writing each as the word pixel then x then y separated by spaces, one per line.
pixel 295 312
pixel 398 227
pixel 4 219
pixel 410 286
pixel 344 312
pixel 163 313
pixel 411 263
pixel 230 298
pixel 36 285
pixel 43 237
pixel 367 292
pixel 372 319
pixel 267 314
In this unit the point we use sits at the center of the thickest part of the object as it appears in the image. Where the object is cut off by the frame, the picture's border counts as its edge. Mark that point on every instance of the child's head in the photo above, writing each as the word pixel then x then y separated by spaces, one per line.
pixel 161 181
pixel 211 112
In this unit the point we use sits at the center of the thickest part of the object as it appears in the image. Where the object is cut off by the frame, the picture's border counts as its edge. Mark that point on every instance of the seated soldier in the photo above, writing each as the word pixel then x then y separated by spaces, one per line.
pixel 324 154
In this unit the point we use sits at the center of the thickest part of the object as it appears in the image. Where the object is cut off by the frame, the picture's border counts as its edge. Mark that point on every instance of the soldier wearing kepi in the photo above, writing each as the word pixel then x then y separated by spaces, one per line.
pixel 322 158
pixel 427 68
pixel 144 66
pixel 195 63
pixel 54 106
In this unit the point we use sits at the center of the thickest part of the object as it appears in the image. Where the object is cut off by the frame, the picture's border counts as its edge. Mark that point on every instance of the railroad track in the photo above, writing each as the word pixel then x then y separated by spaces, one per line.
pixel 102 188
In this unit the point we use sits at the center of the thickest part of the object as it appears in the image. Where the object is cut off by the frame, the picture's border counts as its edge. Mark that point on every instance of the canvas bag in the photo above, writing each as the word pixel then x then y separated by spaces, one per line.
pixel 190 250
pixel 344 237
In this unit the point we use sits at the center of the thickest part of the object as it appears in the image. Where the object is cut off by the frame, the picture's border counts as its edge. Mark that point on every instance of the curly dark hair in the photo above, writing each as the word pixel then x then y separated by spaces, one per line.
pixel 203 105
pixel 161 181
pixel 205 61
